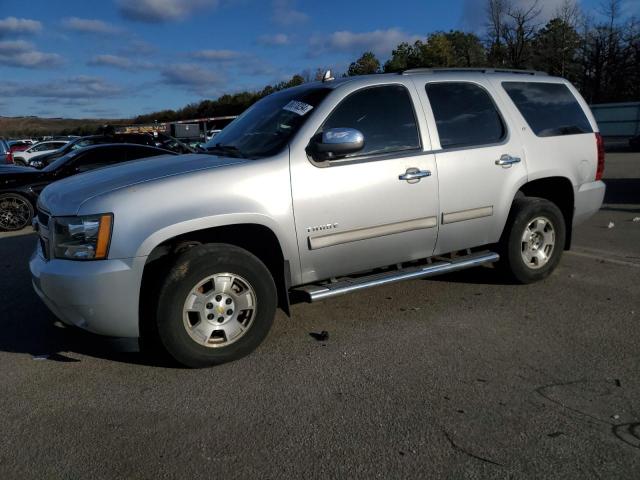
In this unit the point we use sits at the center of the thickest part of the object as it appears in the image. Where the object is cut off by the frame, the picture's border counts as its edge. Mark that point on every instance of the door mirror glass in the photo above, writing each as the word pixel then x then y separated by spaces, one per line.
pixel 336 143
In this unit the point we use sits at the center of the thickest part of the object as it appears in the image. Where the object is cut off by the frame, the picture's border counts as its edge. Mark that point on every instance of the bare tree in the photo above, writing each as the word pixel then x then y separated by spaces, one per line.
pixel 569 12
pixel 520 29
pixel 496 11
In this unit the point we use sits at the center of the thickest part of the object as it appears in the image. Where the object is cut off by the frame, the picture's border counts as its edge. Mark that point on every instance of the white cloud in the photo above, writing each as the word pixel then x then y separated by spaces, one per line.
pixel 285 13
pixel 277 40
pixel 18 53
pixel 380 42
pixel 88 25
pixel 217 55
pixel 158 11
pixel 190 74
pixel 19 26
pixel 138 47
pixel 120 62
pixel 75 89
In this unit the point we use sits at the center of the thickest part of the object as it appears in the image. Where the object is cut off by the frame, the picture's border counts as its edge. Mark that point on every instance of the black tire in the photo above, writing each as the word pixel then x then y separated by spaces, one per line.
pixel 189 270
pixel 19 161
pixel 16 212
pixel 523 212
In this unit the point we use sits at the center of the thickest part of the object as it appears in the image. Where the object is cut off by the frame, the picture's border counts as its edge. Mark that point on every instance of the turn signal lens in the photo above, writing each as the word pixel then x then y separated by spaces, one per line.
pixel 104 237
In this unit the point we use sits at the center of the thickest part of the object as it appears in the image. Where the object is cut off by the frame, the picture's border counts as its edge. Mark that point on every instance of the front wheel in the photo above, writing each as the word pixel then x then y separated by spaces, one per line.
pixel 16 212
pixel 217 305
pixel 533 240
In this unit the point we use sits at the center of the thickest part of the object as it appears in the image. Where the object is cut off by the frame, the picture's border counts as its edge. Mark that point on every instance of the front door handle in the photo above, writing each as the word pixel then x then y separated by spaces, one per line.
pixel 413 175
pixel 507 160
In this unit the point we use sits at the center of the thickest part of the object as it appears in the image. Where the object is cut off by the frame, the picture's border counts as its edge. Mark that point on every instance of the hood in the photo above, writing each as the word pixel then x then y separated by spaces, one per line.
pixel 65 196
pixel 12 177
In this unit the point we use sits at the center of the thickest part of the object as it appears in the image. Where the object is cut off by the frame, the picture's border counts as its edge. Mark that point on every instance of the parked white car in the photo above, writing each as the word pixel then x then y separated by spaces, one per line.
pixel 22 158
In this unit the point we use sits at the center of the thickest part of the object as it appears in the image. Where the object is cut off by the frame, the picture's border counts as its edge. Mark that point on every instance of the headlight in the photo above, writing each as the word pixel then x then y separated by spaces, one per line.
pixel 82 238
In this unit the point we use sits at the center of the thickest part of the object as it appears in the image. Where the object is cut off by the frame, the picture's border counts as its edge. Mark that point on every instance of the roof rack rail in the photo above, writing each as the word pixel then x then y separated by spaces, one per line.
pixel 471 69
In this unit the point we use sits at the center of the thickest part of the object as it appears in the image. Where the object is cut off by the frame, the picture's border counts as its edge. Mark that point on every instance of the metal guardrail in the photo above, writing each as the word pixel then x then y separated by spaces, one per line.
pixel 618 119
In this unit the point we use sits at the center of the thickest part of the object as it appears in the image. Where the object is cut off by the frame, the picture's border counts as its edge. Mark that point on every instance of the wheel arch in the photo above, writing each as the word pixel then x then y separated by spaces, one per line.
pixel 559 191
pixel 258 239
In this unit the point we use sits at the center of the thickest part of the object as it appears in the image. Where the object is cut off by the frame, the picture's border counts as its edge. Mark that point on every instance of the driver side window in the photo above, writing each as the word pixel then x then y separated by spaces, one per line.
pixel 383 114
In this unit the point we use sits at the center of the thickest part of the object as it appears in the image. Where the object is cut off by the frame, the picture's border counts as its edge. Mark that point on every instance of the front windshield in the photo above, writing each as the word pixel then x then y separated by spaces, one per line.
pixel 267 126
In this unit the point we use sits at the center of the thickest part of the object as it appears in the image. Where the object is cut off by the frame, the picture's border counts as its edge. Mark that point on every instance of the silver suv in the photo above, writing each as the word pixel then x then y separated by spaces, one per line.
pixel 317 191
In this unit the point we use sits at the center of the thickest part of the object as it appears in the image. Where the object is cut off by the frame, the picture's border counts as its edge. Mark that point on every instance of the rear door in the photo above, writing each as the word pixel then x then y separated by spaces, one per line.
pixel 480 161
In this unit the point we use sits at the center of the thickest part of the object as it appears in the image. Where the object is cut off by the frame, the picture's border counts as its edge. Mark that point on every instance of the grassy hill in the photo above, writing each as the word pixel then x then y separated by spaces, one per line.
pixel 13 127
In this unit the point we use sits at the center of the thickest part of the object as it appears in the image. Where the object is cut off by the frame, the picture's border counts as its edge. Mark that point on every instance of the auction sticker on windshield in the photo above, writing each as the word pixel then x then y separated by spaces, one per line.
pixel 298 107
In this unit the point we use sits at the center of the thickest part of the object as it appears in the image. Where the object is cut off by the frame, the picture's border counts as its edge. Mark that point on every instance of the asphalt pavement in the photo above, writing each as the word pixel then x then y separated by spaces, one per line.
pixel 461 376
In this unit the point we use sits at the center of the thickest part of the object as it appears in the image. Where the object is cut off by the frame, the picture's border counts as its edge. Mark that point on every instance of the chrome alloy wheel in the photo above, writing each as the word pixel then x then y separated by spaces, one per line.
pixel 538 242
pixel 14 212
pixel 219 310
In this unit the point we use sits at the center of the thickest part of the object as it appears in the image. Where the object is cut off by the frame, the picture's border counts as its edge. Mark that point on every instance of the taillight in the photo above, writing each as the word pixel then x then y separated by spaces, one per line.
pixel 9 157
pixel 600 144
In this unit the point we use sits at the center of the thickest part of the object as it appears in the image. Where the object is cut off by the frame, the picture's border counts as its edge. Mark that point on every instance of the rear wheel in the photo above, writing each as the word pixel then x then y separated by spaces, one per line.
pixel 533 240
pixel 16 211
pixel 216 305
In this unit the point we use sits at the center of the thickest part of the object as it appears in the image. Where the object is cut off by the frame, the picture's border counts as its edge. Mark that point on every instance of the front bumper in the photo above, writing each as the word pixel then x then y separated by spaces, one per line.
pixel 588 200
pixel 100 296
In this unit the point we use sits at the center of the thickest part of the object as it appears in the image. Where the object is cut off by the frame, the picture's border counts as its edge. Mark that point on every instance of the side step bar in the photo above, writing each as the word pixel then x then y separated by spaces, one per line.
pixel 315 292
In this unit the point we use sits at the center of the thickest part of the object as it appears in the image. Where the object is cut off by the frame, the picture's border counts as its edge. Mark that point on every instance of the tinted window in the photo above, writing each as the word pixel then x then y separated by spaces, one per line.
pixel 99 157
pixel 550 109
pixel 465 115
pixel 43 146
pixel 384 115
pixel 134 153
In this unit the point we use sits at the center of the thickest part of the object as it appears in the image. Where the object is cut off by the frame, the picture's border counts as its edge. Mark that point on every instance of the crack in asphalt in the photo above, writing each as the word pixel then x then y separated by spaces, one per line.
pixel 458 448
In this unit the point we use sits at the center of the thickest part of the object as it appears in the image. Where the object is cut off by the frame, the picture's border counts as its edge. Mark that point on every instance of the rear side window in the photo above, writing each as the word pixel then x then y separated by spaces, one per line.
pixel 135 153
pixel 550 109
pixel 384 115
pixel 465 115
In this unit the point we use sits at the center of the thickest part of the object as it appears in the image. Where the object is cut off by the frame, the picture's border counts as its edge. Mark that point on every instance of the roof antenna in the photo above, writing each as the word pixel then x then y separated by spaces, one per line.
pixel 327 77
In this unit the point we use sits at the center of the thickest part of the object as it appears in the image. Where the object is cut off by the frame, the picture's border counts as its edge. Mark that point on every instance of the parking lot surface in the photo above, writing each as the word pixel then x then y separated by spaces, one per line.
pixel 461 376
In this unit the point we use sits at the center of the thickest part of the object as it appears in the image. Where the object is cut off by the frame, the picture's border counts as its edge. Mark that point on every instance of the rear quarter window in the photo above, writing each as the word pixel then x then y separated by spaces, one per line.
pixel 550 109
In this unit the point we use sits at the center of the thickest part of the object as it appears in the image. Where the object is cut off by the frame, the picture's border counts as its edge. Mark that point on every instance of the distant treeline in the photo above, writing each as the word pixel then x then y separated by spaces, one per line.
pixel 601 58
pixel 35 127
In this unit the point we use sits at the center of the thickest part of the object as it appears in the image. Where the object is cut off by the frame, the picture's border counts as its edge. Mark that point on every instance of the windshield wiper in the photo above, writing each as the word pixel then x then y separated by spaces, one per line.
pixel 227 150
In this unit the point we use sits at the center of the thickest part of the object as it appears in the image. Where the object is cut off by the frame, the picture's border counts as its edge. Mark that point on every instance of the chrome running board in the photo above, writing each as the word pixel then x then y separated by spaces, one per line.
pixel 315 292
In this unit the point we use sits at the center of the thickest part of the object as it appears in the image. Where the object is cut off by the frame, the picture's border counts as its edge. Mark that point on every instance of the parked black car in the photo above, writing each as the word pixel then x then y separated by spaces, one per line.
pixel 42 161
pixel 20 186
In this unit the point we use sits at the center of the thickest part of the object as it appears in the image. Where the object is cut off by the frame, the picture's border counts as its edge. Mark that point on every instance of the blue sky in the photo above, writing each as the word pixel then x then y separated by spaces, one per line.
pixel 119 58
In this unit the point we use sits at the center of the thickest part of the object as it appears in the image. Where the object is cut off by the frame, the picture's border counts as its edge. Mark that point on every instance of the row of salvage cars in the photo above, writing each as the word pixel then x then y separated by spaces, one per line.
pixel 22 181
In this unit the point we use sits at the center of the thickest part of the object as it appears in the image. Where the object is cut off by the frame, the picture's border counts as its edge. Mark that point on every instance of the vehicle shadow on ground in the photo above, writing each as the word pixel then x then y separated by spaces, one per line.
pixel 28 327
pixel 484 275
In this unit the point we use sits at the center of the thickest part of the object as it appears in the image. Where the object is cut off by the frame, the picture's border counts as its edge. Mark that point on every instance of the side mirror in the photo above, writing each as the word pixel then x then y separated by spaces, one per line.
pixel 336 143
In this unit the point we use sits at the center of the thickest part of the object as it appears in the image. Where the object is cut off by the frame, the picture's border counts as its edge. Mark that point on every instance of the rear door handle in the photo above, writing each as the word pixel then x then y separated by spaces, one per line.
pixel 413 175
pixel 507 160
